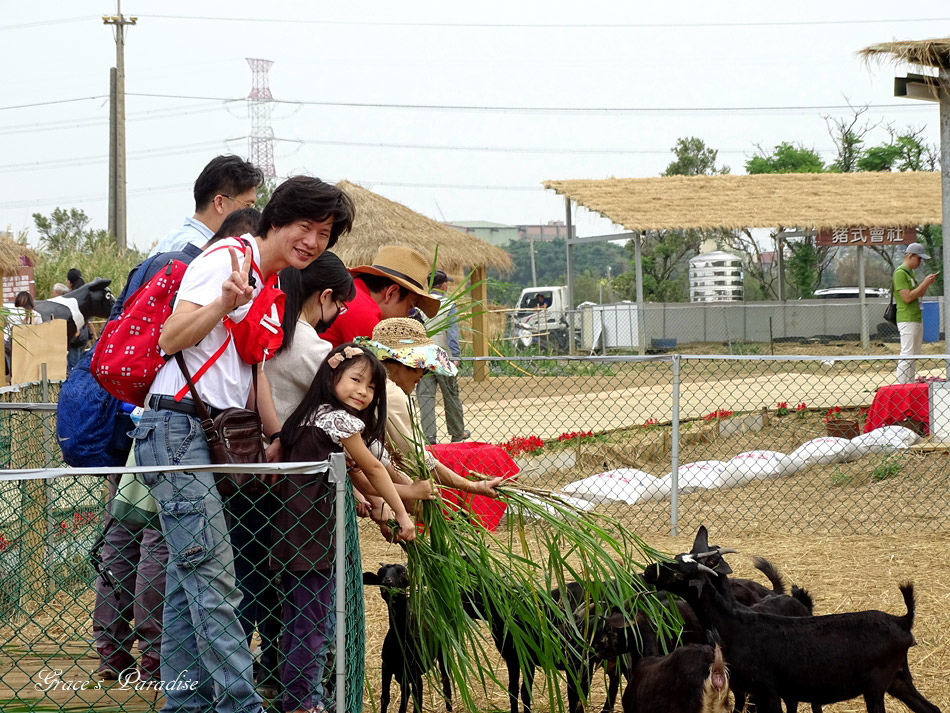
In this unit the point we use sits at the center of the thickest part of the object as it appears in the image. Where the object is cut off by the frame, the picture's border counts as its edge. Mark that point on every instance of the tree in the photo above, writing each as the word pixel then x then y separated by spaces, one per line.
pixel 848 137
pixel 665 253
pixel 807 262
pixel 694 158
pixel 786 158
pixel 264 192
pixel 67 241
pixel 66 230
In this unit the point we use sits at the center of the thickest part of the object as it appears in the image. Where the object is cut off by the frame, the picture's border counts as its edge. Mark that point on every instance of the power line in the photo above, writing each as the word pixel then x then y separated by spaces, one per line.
pixel 552 25
pixel 89 197
pixel 507 149
pixel 54 101
pixel 458 186
pixel 42 23
pixel 543 109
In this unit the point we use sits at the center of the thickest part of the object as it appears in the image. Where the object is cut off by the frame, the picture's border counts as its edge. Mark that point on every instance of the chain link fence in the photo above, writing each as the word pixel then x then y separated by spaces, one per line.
pixel 661 443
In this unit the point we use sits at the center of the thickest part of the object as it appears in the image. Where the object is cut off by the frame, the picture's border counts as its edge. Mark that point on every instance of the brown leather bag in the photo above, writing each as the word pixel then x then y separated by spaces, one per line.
pixel 234 436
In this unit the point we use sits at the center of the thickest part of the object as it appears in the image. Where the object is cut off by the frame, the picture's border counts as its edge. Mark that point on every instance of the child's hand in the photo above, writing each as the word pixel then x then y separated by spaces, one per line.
pixel 486 487
pixel 407 529
pixel 422 490
pixel 363 508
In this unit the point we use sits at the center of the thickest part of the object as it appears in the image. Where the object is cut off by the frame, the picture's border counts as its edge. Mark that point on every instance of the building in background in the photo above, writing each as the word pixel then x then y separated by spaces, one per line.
pixel 500 235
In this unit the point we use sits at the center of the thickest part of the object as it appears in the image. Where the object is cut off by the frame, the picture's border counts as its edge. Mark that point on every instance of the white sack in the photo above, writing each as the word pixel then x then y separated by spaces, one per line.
pixel 885 440
pixel 627 485
pixel 758 465
pixel 701 474
pixel 826 449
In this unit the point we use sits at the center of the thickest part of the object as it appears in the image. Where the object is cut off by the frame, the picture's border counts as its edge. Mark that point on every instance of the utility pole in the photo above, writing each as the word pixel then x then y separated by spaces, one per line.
pixel 117 222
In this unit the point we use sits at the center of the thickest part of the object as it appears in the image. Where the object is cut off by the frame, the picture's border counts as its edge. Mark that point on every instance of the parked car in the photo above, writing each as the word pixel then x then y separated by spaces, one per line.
pixel 838 293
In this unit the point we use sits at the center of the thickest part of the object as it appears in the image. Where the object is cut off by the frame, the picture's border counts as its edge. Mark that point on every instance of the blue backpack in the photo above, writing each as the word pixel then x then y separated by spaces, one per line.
pixel 91 424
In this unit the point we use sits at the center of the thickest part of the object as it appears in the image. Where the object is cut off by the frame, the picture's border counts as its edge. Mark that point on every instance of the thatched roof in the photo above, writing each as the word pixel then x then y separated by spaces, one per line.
pixel 923 53
pixel 10 254
pixel 802 200
pixel 380 221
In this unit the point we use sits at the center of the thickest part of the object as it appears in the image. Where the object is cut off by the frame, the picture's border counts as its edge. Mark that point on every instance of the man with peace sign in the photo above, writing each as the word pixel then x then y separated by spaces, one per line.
pixel 203 641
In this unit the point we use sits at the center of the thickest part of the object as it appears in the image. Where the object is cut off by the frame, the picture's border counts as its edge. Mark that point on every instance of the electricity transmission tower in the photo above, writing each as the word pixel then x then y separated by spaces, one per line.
pixel 260 103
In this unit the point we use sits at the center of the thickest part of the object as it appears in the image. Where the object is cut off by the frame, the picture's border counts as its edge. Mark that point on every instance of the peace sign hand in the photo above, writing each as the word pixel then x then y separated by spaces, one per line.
pixel 236 290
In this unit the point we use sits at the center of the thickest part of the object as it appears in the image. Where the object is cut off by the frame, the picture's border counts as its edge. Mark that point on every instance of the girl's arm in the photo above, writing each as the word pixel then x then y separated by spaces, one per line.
pixel 407 488
pixel 381 481
pixel 448 477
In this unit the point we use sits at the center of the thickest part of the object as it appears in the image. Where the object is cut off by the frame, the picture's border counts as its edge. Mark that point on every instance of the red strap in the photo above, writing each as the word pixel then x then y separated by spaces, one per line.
pixel 242 245
pixel 207 365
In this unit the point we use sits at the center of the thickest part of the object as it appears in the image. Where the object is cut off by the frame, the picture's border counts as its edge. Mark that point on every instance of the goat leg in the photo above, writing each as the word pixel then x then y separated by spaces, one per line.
pixel 415 689
pixel 527 684
pixel 903 689
pixel 514 679
pixel 613 685
pixel 385 689
pixel 446 685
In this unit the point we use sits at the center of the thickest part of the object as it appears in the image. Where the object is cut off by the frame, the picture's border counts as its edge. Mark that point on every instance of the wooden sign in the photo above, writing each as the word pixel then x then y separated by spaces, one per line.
pixel 862 235
pixel 20 282
pixel 37 344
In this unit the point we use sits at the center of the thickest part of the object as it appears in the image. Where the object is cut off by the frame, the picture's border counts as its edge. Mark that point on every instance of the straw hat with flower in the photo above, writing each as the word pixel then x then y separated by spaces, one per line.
pixel 405 340
pixel 406 268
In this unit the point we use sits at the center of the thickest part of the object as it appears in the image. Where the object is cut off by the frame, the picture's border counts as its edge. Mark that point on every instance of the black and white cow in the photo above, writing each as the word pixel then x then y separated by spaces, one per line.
pixel 93 299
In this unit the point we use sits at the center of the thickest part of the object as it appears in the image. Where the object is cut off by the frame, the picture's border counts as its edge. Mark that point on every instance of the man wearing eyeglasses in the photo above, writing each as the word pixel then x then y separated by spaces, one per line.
pixel 227 184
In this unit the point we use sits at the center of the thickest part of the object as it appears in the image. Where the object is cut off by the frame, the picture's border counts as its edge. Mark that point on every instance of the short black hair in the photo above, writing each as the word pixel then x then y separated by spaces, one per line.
pixel 377 283
pixel 308 198
pixel 237 223
pixel 226 176
pixel 73 277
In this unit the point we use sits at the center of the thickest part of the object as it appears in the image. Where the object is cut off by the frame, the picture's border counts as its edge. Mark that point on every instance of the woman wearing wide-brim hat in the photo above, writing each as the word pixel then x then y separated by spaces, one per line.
pixel 408 354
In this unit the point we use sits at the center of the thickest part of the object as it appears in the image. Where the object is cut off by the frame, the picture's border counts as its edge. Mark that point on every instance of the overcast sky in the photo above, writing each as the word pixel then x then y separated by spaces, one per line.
pixel 734 74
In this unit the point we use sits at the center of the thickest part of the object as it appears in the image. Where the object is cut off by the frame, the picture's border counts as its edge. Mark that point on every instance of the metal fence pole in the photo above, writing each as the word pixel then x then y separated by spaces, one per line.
pixel 675 450
pixel 338 478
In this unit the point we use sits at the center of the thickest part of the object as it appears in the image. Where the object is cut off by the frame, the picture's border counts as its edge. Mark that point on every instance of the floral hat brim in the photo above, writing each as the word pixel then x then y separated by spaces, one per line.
pixel 430 357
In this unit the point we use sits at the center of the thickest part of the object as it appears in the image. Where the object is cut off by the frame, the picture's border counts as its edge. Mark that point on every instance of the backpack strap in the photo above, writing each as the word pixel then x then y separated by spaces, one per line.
pixel 198 374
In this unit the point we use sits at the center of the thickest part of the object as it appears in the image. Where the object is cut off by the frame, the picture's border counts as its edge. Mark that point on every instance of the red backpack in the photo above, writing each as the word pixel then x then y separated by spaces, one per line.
pixel 127 355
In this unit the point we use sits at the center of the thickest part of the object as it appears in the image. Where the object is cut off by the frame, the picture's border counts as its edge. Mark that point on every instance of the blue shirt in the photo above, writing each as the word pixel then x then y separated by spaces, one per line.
pixel 193 231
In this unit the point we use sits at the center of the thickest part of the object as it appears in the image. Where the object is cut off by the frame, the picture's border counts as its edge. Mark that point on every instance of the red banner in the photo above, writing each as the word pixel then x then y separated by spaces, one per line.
pixel 862 235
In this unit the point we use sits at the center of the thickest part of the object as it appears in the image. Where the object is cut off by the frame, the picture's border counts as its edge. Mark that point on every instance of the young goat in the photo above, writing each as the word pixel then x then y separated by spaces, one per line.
pixel 691 679
pixel 823 659
pixel 404 655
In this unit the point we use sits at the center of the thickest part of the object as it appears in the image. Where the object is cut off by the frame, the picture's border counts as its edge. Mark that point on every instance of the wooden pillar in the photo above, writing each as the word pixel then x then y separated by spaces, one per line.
pixel 480 322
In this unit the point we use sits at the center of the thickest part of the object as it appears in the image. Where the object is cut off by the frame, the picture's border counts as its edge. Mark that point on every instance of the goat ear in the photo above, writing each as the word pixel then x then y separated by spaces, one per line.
pixel 371 578
pixel 617 620
pixel 701 543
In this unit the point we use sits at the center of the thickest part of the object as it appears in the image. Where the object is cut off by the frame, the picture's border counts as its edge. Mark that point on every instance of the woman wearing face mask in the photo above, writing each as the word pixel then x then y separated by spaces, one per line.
pixel 315 296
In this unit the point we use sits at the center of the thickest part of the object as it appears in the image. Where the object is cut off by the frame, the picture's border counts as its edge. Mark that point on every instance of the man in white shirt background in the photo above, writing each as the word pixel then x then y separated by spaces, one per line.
pixel 226 184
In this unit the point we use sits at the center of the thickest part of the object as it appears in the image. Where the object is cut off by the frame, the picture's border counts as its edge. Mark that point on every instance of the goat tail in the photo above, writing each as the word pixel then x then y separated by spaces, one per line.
pixel 804 597
pixel 771 573
pixel 907 591
pixel 716 686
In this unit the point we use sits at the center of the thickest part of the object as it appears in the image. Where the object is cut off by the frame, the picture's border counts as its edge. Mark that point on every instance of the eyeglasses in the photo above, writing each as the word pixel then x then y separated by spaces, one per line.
pixel 246 204
pixel 342 307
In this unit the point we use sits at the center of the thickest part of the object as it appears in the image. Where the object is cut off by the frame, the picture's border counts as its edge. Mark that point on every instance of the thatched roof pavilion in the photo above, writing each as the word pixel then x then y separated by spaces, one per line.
pixel 380 221
pixel 802 200
pixel 923 53
pixel 10 254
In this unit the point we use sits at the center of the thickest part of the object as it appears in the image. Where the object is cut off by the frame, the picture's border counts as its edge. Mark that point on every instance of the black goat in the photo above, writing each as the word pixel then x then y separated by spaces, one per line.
pixel 613 636
pixel 404 655
pixel 521 669
pixel 822 659
pixel 691 679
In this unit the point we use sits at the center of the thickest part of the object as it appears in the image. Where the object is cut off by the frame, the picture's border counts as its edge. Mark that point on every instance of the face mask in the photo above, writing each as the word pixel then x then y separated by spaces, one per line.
pixel 322 324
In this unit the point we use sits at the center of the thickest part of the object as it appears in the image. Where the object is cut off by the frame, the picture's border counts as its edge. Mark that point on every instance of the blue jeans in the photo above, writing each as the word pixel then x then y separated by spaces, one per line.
pixel 202 640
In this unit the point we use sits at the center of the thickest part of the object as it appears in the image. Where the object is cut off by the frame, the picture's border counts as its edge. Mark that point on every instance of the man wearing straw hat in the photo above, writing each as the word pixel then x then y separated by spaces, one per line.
pixel 907 294
pixel 397 281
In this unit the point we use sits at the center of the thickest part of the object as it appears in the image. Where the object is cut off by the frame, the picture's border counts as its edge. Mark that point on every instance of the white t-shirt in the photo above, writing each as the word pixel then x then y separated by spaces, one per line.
pixel 227 382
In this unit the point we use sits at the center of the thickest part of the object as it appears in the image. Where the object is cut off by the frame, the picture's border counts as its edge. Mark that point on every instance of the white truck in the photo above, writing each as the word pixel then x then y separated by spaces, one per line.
pixel 540 318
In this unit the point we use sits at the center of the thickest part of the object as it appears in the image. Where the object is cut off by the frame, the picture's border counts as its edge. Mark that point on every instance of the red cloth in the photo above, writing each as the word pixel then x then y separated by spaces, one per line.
pixel 362 315
pixel 899 401
pixel 483 458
